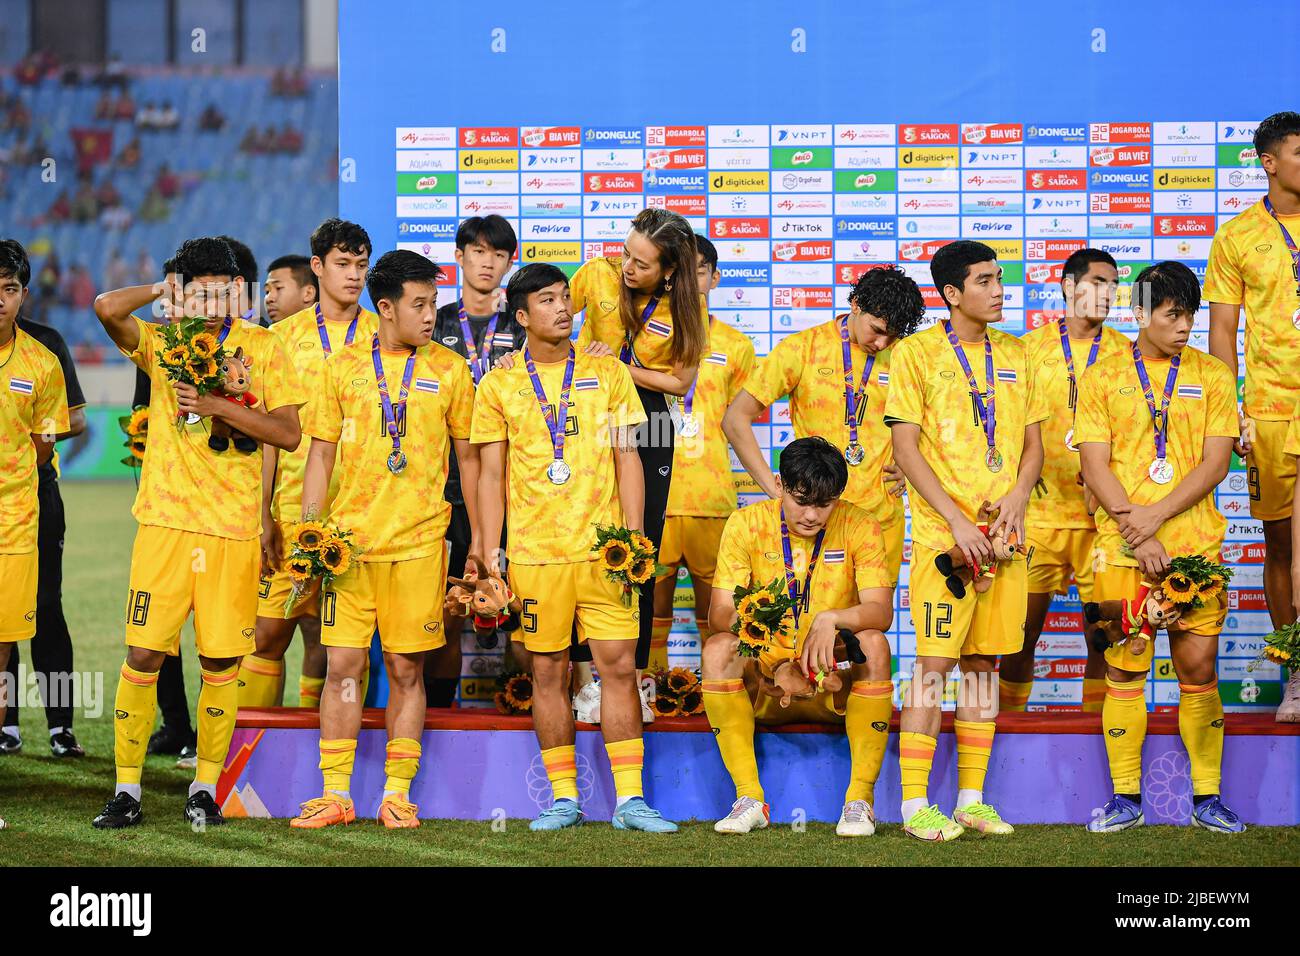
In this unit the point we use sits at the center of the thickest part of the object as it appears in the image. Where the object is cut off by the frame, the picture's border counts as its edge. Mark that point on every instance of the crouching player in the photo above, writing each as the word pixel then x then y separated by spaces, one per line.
pixel 390 407
pixel 831 555
pixel 554 435
pixel 1155 429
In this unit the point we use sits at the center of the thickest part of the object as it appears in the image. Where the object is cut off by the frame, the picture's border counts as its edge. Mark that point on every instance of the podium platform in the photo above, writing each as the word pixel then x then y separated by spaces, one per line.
pixel 479 765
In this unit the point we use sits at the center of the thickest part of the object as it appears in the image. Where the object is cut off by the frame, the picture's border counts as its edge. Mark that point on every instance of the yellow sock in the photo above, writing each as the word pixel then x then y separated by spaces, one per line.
pixel 336 759
pixel 401 765
pixel 974 746
pixel 259 681
pixel 1124 724
pixel 1013 696
pixel 562 770
pixel 1200 724
pixel 626 758
pixel 309 691
pixel 660 626
pixel 731 715
pixel 218 705
pixel 1094 692
pixel 866 721
pixel 915 756
pixel 136 704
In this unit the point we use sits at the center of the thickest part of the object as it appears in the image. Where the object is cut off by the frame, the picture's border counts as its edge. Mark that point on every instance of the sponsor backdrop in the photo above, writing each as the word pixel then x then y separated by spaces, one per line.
pixel 813 143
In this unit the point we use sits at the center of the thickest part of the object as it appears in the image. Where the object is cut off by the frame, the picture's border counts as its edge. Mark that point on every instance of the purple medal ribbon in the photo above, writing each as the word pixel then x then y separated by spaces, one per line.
pixel 225 330
pixel 986 413
pixel 1069 359
pixel 802 597
pixel 390 418
pixel 688 402
pixel 555 421
pixel 853 397
pixel 626 354
pixel 480 359
pixel 324 334
pixel 1290 244
pixel 1159 416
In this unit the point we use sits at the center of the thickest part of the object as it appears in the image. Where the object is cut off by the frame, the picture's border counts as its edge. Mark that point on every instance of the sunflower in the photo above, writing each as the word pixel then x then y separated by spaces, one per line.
pixel 335 556
pixel 691 702
pixel 300 569
pixel 137 446
pixel 503 706
pixel 642 544
pixel 204 345
pixel 1278 655
pixel 747 607
pixel 755 634
pixel 138 423
pixel 665 706
pixel 616 555
pixel 201 369
pixel 680 680
pixel 177 355
pixel 310 536
pixel 641 571
pixel 1179 588
pixel 519 692
pixel 763 598
pixel 1211 590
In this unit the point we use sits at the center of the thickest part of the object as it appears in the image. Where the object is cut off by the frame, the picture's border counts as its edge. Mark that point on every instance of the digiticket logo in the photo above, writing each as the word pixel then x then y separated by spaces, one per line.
pixel 613 136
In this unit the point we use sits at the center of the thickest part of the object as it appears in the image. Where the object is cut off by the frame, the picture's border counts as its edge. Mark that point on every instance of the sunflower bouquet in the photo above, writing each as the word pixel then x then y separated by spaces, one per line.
pixel 316 549
pixel 1281 647
pixel 136 428
pixel 1193 581
pixel 678 693
pixel 765 614
pixel 628 557
pixel 514 694
pixel 191 354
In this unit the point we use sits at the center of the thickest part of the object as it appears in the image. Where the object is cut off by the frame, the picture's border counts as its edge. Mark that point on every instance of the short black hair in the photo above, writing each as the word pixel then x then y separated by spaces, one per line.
pixel 205 256
pixel 891 294
pixel 813 471
pixel 492 230
pixel 388 277
pixel 533 277
pixel 707 251
pixel 338 233
pixel 244 258
pixel 1081 260
pixel 951 264
pixel 300 266
pixel 14 262
pixel 1272 131
pixel 1163 282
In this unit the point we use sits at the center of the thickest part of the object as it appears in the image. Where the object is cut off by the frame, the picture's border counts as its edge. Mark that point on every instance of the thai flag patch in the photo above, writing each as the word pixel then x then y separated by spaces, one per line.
pixel 661 329
pixel 503 340
pixel 427 385
pixel 717 358
pixel 1189 391
pixel 21 385
pixel 883 378
pixel 834 557
pixel 586 384
pixel 1006 375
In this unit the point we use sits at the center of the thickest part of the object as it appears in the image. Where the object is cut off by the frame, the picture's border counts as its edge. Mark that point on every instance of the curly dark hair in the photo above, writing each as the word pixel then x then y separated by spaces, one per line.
pixel 338 233
pixel 892 295
pixel 813 471
pixel 205 256
pixel 1163 282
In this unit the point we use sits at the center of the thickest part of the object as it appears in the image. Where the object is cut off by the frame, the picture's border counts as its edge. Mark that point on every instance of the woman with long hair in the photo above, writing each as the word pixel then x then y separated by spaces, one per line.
pixel 646 306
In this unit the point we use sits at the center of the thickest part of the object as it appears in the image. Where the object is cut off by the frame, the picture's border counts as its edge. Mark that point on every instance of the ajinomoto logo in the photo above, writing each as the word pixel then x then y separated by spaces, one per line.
pixel 1184 179
pixel 481 160
pixel 928 157
pixel 551 252
pixel 739 183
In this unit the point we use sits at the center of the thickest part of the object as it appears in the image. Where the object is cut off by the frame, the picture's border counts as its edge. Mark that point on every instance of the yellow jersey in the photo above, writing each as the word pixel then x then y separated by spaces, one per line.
pixel 702 485
pixel 34 402
pixel 555 524
pixel 186 485
pixel 928 388
pixel 1113 410
pixel 394 517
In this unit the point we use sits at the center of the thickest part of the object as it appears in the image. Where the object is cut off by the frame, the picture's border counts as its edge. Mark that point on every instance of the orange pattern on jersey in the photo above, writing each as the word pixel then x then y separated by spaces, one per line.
pixel 34 401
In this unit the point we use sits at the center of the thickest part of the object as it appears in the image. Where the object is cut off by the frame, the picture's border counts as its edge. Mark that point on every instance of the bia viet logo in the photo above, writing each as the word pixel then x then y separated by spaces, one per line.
pixel 1119 132
pixel 799 297
pixel 1040 273
pixel 552 136
pixel 920 251
pixel 1076 179
pixel 1185 225
pixel 481 137
pixel 675 159
pixel 931 135
pixel 1124 156
pixel 741 228
pixel 802 251
pixel 1238 553
pixel 614 183
pixel 676 136
pixel 976 134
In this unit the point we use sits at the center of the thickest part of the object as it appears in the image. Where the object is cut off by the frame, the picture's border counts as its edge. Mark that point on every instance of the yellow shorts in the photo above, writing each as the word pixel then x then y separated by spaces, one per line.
pixel 1270 473
pixel 988 623
pixel 18 609
pixel 693 541
pixel 403 599
pixel 1057 555
pixel 273 592
pixel 821 708
pixel 894 548
pixel 1115 583
pixel 554 595
pixel 175 572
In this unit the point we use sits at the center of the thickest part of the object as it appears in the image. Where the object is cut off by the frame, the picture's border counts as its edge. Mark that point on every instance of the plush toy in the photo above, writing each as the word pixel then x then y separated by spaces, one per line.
pixel 789 682
pixel 236 369
pixel 488 598
pixel 1135 620
pixel 960 574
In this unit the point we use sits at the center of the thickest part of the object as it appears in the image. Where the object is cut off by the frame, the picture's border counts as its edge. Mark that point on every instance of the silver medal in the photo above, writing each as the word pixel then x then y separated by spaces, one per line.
pixel 397 462
pixel 558 472
pixel 855 454
pixel 1161 471
pixel 192 419
pixel 1295 318
pixel 1069 440
pixel 690 426
pixel 994 460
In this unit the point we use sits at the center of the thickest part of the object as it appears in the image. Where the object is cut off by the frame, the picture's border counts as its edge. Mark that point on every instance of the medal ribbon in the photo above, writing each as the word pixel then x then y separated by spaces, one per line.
pixel 480 360
pixel 325 336
pixel 1159 416
pixel 225 330
pixel 852 397
pixel 987 413
pixel 390 418
pixel 1290 244
pixel 626 355
pixel 689 401
pixel 802 597
pixel 555 421
pixel 1069 359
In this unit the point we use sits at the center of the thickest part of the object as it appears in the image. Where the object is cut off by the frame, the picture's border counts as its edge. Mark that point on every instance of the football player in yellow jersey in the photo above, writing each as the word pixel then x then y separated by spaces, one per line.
pixel 33 412
pixel 1059 525
pixel 703 493
pixel 553 433
pixel 391 407
pixel 340 257
pixel 1155 432
pixel 290 287
pixel 966 427
pixel 831 556
pixel 837 377
pixel 1255 262
pixel 198 510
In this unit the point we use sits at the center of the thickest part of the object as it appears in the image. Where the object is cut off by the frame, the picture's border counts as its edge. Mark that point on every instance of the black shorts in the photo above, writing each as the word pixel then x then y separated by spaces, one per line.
pixel 458 533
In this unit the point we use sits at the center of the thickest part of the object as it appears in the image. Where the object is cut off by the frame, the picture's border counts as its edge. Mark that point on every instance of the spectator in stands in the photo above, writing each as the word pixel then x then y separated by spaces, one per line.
pixel 81 287
pixel 146 269
pixel 19 117
pixel 297 83
pixel 61 211
pixel 147 116
pixel 114 73
pixel 279 83
pixel 129 158
pixel 38 151
pixel 115 218
pixel 251 142
pixel 104 107
pixel 49 277
pixel 168 118
pixel 108 197
pixel 85 208
pixel 211 120
pixel 125 107
pixel 167 182
pixel 270 141
pixel 155 207
pixel 289 141
pixel 117 274
pixel 29 72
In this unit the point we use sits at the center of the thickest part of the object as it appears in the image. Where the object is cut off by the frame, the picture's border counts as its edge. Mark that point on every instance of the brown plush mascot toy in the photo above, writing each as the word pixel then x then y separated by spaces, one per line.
pixel 237 372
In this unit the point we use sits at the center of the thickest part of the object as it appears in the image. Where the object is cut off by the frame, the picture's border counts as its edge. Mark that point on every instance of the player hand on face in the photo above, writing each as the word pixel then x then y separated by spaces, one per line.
pixel 895 480
pixel 819 646
pixel 1010 510
pixel 1152 558
pixel 1138 523
pixel 975 545
pixel 272 542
